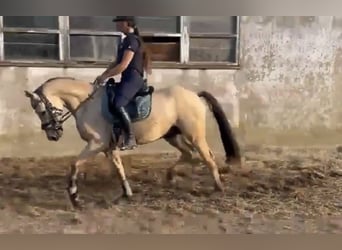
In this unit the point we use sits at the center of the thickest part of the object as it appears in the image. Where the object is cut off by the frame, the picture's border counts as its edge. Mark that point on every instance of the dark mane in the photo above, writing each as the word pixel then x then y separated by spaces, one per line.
pixel 59 78
pixel 40 88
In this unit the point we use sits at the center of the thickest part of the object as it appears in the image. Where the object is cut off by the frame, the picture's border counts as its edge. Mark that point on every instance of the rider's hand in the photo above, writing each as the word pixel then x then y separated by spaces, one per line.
pixel 100 80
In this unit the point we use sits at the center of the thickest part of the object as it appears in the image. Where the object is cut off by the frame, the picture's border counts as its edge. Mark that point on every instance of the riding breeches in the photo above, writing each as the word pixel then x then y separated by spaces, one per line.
pixel 126 90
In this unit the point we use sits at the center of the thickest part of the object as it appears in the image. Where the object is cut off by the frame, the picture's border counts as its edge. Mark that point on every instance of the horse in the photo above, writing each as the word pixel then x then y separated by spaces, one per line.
pixel 174 114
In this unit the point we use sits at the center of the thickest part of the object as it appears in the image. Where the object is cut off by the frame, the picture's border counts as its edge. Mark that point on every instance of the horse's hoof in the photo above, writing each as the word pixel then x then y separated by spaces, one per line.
pixel 118 196
pixel 219 187
pixel 127 189
pixel 170 177
pixel 76 203
pixel 122 199
pixel 128 196
pixel 237 162
pixel 128 147
pixel 78 206
pixel 83 176
pixel 170 183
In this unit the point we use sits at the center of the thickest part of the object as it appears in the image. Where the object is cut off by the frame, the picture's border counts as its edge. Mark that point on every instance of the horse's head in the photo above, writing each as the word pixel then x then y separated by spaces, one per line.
pixel 49 112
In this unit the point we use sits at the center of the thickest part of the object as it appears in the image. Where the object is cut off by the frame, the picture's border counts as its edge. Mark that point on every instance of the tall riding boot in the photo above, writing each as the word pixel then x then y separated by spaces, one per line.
pixel 130 141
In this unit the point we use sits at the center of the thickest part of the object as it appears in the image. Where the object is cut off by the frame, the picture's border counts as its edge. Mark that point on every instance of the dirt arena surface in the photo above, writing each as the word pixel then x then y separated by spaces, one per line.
pixel 286 191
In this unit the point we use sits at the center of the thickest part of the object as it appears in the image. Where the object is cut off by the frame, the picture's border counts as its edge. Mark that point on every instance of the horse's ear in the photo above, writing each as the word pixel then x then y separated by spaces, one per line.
pixel 32 96
pixel 28 94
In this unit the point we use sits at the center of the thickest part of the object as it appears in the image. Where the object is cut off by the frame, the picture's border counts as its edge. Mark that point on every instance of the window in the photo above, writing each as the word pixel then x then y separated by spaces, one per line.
pixel 213 39
pixel 26 46
pixel 212 50
pixel 92 23
pixel 174 41
pixel 93 39
pixel 159 24
pixel 30 38
pixel 93 48
pixel 47 22
pixel 163 49
pixel 162 37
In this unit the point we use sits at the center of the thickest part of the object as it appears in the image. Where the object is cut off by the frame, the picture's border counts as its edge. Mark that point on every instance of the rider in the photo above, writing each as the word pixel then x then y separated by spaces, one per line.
pixel 132 60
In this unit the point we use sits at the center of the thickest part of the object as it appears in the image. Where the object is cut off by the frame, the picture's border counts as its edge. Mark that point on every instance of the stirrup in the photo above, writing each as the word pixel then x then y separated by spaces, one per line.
pixel 128 144
pixel 125 148
pixel 128 147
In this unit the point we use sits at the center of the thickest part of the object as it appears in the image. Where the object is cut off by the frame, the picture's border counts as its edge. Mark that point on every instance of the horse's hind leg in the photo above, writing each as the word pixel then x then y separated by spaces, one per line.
pixel 179 142
pixel 202 147
pixel 195 132
pixel 196 135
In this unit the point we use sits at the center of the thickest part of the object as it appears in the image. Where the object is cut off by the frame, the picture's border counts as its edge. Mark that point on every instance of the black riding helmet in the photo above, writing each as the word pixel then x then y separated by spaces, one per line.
pixel 124 18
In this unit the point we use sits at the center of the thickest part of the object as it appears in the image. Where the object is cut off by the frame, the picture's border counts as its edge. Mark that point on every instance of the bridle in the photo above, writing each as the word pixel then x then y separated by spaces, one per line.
pixel 57 118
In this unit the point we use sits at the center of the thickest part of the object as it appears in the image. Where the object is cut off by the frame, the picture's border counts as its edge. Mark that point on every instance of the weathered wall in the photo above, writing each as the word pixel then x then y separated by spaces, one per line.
pixel 288 89
pixel 294 64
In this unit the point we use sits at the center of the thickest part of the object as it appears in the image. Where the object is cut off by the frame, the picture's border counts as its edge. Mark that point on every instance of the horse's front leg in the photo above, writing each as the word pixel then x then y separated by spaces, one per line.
pixel 90 151
pixel 116 162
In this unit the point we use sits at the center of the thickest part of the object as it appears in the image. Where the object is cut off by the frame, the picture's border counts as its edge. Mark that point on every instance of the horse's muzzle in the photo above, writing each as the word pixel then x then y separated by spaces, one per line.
pixel 54 134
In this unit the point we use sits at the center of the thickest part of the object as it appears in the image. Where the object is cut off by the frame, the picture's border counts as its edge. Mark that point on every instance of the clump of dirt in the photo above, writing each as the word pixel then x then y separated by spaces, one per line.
pixel 285 190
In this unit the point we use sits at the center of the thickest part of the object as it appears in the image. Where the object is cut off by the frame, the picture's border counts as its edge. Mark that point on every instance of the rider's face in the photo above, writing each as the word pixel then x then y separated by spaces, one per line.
pixel 122 26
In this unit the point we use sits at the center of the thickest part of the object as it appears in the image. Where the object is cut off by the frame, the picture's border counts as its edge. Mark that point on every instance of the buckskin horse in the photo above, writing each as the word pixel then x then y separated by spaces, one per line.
pixel 174 114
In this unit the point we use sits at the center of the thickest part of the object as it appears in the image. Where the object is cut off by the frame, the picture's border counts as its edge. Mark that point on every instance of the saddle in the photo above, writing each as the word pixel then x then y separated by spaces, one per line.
pixel 139 108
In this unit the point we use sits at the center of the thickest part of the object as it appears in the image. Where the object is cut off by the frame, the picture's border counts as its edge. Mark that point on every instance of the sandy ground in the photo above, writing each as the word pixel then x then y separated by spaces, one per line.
pixel 287 191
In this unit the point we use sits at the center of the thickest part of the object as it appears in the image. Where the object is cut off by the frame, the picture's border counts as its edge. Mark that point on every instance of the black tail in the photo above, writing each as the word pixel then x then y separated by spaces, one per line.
pixel 230 144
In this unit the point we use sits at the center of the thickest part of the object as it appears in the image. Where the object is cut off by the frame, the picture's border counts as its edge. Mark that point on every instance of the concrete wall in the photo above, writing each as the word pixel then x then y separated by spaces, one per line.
pixel 288 90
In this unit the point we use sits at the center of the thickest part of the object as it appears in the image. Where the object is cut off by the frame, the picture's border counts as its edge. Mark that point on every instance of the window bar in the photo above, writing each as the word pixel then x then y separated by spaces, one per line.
pixel 94 33
pixel 31 30
pixel 64 47
pixel 237 44
pixel 2 41
pixel 184 41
